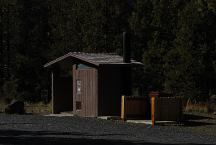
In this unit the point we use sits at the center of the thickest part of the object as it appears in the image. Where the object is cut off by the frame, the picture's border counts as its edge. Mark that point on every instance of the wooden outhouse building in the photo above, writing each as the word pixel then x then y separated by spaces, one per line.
pixel 94 86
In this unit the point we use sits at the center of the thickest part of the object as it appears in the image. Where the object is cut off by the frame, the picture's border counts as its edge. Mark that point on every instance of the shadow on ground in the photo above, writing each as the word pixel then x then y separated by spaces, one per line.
pixel 186 124
pixel 17 137
pixel 195 117
pixel 196 123
pixel 191 120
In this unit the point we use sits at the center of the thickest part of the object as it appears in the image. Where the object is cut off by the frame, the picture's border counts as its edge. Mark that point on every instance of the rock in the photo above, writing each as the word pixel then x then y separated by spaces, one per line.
pixel 212 99
pixel 15 107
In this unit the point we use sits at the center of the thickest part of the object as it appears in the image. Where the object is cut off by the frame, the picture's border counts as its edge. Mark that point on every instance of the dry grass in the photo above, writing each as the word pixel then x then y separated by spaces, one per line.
pixel 197 107
pixel 38 108
pixel 2 105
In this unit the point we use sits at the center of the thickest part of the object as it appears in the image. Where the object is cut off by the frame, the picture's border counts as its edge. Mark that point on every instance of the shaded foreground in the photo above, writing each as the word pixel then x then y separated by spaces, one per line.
pixel 28 129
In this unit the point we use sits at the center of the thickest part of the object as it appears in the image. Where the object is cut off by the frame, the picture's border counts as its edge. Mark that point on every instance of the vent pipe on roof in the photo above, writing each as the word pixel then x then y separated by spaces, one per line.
pixel 126 48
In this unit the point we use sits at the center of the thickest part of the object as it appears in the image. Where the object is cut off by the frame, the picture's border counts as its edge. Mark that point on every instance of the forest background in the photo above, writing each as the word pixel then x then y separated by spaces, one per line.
pixel 174 39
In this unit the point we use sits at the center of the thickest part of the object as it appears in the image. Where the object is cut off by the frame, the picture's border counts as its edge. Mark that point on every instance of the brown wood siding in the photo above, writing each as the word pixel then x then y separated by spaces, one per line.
pixel 136 107
pixel 110 90
pixel 89 89
pixel 114 81
pixel 168 109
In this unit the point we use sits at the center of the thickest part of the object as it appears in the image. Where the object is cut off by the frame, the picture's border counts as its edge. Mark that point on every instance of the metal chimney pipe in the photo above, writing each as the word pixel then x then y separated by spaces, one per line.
pixel 126 48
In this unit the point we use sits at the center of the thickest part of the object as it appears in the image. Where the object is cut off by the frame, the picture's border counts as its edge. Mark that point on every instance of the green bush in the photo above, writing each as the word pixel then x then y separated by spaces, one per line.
pixel 10 90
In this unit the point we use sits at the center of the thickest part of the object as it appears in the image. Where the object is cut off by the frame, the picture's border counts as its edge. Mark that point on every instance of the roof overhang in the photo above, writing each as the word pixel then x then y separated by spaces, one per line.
pixel 73 58
pixel 70 57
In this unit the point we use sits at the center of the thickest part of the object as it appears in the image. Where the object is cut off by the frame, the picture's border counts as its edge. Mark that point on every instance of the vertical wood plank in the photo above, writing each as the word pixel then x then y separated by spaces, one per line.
pixel 74 90
pixel 84 93
pixel 52 88
pixel 96 93
pixel 153 110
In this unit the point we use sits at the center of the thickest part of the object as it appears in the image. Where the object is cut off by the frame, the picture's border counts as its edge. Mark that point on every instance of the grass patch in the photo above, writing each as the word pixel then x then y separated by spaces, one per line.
pixel 2 105
pixel 197 107
pixel 38 108
pixel 31 108
pixel 200 107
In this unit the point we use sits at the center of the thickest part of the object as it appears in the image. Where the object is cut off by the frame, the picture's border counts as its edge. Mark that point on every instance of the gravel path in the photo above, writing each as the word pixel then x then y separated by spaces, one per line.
pixel 29 129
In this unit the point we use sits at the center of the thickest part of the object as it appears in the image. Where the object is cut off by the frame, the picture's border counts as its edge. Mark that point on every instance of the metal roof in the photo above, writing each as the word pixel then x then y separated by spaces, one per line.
pixel 93 58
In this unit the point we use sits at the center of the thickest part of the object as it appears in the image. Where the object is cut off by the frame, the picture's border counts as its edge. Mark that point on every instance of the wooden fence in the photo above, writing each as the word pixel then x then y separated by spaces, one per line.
pixel 168 109
pixel 134 107
pixel 161 108
pixel 165 108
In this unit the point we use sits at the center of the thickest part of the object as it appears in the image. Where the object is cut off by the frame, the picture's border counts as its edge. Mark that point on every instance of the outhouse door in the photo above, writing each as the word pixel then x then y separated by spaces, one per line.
pixel 85 92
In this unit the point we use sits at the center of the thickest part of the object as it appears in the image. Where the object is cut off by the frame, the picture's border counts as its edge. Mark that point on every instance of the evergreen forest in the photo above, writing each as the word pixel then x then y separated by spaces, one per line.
pixel 174 39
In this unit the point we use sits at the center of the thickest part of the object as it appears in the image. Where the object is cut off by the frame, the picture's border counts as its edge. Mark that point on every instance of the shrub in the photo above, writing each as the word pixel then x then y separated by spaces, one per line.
pixel 10 90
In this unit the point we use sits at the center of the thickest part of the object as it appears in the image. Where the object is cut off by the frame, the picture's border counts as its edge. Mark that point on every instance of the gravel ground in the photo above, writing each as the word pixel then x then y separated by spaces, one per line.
pixel 35 129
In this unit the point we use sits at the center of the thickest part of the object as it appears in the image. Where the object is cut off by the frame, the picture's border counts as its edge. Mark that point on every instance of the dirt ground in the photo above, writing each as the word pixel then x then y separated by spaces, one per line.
pixel 199 123
pixel 199 129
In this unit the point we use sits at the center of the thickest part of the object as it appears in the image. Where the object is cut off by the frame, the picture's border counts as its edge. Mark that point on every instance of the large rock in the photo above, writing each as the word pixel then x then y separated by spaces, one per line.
pixel 15 107
pixel 212 104
pixel 212 99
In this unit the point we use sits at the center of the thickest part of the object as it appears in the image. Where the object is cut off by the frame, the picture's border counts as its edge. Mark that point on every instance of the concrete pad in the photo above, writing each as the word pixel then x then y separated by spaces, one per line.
pixel 103 117
pixel 148 122
pixel 62 114
pixel 109 117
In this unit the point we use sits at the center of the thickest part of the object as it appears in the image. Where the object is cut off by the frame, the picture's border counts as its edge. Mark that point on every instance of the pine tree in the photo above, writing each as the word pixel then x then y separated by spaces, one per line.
pixel 160 41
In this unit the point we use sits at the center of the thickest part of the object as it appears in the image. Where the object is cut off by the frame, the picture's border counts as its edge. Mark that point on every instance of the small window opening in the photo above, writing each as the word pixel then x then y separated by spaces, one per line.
pixel 82 66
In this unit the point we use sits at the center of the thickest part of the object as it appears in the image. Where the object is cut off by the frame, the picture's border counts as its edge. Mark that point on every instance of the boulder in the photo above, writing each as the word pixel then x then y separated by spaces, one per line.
pixel 15 107
pixel 212 99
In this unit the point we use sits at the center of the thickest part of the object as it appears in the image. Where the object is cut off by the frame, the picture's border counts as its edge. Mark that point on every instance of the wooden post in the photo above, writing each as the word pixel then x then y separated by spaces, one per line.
pixel 153 110
pixel 154 107
pixel 157 108
pixel 123 115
